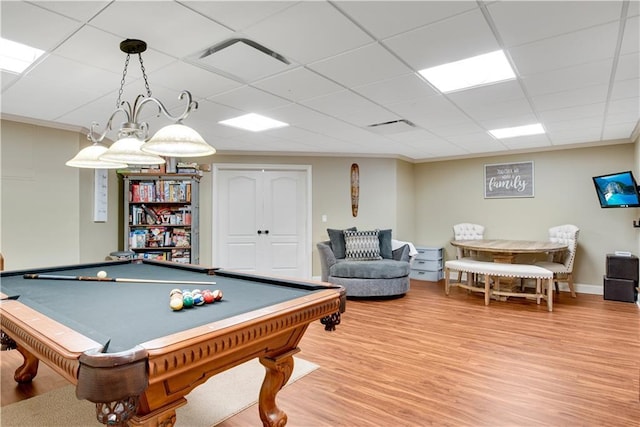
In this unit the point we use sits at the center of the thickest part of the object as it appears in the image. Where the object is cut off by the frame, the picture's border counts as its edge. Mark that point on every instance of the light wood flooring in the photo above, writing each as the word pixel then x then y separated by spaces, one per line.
pixel 430 360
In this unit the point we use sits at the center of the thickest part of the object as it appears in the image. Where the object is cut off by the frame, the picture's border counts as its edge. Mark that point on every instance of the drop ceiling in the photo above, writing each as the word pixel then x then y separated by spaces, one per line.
pixel 351 65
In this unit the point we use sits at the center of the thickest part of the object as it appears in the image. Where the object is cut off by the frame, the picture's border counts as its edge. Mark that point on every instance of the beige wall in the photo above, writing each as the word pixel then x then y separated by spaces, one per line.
pixel 47 207
pixel 451 192
pixel 381 189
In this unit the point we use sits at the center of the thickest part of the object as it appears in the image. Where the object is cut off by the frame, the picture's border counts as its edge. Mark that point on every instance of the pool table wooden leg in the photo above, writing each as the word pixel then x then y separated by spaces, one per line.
pixel 278 372
pixel 29 368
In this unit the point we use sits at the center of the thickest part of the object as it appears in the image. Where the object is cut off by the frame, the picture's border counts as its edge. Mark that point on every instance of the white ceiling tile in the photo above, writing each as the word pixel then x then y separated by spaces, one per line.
pixel 45 94
pixel 298 84
pixel 625 89
pixel 593 123
pixel 571 98
pixel 456 129
pixel 628 67
pixel 566 50
pixel 520 22
pixel 101 49
pixel 508 110
pixel 182 32
pixel 484 95
pixel 249 99
pixel 627 106
pixel 631 39
pixel 570 137
pixel 591 74
pixel 429 112
pixel 618 130
pixel 397 89
pixel 237 18
pixel 439 148
pixel 416 135
pixel 201 83
pixel 19 19
pixel 8 79
pixel 364 65
pixel 578 112
pixel 308 31
pixel 80 10
pixel 344 103
pixel 532 141
pixel 459 37
pixel 387 18
pixel 314 121
pixel 509 120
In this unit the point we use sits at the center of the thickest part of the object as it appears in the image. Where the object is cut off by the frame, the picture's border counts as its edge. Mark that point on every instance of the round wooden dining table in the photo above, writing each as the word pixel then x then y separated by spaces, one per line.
pixel 505 250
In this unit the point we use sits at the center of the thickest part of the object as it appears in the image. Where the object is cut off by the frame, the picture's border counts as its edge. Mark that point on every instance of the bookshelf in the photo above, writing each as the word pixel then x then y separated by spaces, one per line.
pixel 161 216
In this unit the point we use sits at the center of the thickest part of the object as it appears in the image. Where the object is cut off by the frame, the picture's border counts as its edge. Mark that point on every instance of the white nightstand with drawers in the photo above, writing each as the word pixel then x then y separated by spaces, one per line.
pixel 428 264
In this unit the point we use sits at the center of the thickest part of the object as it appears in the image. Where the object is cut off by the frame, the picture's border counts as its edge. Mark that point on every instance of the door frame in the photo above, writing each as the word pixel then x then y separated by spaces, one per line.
pixel 215 226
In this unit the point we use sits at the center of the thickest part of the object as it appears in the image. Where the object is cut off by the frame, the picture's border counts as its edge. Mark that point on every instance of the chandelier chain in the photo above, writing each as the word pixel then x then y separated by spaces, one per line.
pixel 124 75
pixel 144 75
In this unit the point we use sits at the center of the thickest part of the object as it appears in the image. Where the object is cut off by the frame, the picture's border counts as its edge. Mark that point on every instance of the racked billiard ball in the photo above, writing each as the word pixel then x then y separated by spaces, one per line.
pixel 187 300
pixel 217 294
pixel 198 299
pixel 208 297
pixel 176 304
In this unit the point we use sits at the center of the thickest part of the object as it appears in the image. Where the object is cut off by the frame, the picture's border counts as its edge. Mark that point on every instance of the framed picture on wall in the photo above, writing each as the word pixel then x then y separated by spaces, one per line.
pixel 507 180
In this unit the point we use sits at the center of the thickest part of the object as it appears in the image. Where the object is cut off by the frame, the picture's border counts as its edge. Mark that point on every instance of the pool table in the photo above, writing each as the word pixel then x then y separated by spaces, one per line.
pixel 124 349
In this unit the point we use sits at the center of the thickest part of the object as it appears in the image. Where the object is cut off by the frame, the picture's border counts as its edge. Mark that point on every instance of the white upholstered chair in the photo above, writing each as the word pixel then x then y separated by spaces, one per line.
pixel 561 264
pixel 467 231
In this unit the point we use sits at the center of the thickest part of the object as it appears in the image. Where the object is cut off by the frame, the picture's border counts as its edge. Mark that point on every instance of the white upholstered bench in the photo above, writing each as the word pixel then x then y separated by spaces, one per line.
pixel 497 270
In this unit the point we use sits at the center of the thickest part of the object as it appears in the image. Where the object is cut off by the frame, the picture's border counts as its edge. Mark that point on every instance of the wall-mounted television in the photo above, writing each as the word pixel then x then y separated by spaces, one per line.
pixel 617 190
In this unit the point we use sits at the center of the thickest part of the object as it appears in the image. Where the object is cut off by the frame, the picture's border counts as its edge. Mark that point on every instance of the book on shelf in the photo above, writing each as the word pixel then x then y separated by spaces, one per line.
pixel 181 237
pixel 181 255
pixel 159 256
pixel 138 239
pixel 152 217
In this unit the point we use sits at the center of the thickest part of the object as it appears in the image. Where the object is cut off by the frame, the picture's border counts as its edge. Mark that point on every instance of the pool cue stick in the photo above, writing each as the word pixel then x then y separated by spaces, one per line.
pixel 113 279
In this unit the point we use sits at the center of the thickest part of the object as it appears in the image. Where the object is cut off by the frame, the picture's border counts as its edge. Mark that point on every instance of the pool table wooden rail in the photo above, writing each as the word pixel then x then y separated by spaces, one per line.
pixel 152 379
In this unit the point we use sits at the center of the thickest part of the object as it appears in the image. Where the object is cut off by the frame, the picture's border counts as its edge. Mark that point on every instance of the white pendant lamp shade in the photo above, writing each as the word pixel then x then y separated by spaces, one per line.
pixel 178 140
pixel 89 157
pixel 127 150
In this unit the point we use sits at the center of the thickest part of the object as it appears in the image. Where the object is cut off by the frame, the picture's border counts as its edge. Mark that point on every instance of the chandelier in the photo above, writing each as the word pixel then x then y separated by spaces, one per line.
pixel 133 146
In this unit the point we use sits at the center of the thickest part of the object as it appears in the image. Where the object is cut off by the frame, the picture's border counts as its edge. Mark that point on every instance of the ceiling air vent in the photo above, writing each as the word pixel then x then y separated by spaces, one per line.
pixel 391 127
pixel 243 58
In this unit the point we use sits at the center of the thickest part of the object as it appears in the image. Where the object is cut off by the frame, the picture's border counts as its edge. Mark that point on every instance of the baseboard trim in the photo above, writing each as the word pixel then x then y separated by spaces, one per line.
pixel 582 288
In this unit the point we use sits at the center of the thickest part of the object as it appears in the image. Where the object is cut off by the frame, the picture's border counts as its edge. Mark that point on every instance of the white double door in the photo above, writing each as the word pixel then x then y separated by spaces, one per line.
pixel 262 224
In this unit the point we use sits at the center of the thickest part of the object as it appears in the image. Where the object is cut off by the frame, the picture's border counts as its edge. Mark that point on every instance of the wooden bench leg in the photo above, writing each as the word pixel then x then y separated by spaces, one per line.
pixel 487 289
pixel 550 294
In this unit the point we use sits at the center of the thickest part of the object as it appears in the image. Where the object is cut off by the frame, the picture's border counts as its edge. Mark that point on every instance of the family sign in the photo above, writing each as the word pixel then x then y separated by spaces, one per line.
pixel 505 180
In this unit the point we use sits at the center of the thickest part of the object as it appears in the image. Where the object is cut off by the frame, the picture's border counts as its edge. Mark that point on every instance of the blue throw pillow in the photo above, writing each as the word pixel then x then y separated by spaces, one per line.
pixel 337 241
pixel 386 249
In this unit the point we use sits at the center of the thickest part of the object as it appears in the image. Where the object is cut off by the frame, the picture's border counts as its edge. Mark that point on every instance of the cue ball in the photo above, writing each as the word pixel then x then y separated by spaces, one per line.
pixel 102 274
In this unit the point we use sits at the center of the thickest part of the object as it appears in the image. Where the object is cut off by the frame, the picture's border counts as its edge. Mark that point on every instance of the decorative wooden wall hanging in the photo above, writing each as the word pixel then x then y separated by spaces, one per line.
pixel 355 189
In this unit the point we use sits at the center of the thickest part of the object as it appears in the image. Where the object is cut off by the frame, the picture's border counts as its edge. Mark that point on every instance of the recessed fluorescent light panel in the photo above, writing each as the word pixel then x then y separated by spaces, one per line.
pixel 253 122
pixel 471 72
pixel 504 133
pixel 16 57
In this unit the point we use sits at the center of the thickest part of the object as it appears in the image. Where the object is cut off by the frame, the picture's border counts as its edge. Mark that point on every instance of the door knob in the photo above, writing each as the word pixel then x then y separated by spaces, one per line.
pixel 266 231
pixel 259 231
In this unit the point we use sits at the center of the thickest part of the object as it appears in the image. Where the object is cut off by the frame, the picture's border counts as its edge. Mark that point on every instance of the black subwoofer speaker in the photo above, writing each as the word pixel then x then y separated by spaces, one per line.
pixel 622 267
pixel 620 289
